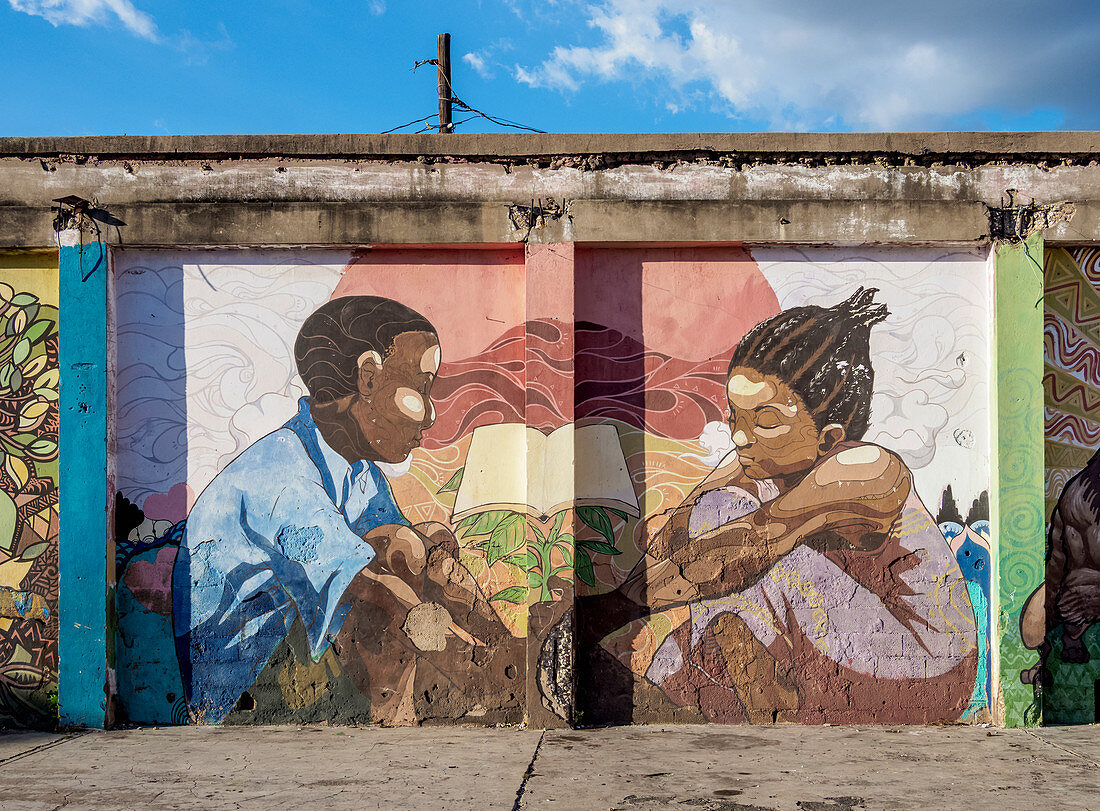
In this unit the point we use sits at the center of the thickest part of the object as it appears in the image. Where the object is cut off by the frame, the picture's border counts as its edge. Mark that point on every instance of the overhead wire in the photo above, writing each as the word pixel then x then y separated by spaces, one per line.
pixel 409 124
pixel 457 102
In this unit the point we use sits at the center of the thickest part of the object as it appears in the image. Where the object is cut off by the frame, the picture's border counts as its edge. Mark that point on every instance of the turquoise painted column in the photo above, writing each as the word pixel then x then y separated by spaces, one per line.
pixel 85 546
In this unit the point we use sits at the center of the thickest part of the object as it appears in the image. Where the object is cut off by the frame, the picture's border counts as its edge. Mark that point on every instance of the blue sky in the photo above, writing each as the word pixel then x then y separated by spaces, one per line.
pixel 84 67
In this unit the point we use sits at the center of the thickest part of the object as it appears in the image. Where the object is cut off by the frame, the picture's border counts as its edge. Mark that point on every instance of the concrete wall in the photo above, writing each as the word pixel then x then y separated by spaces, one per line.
pixel 599 282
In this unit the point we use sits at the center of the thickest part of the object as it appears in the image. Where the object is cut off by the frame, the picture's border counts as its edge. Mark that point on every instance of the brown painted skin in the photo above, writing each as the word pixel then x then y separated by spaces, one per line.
pixel 384 421
pixel 832 495
pixel 825 499
pixel 376 423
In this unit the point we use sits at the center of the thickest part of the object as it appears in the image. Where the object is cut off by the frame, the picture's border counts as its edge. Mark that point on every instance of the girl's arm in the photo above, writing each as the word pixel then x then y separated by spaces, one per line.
pixel 848 500
pixel 657 530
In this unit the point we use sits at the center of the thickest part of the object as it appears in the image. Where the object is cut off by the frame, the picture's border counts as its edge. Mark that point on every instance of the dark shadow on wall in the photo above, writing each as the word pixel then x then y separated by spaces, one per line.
pixel 151 469
pixel 655 329
pixel 609 375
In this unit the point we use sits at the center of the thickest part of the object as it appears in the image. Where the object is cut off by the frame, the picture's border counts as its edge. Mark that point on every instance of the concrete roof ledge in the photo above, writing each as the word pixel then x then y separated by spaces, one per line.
pixel 783 147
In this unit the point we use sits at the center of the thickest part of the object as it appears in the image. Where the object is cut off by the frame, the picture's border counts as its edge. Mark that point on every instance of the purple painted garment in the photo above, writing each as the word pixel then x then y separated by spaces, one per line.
pixel 899 612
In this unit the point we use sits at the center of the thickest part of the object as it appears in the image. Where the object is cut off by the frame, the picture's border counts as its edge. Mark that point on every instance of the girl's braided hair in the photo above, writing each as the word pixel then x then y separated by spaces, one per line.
pixel 823 354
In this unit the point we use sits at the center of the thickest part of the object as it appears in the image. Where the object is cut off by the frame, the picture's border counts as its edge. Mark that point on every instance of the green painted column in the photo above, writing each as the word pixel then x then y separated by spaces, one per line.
pixel 1016 468
pixel 85 460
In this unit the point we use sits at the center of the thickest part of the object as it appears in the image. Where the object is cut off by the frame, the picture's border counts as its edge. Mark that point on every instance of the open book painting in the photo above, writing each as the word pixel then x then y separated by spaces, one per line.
pixel 515 467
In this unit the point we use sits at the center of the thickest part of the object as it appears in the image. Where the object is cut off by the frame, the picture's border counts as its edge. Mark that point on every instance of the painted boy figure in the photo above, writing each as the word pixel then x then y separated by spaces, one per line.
pixel 803 579
pixel 298 542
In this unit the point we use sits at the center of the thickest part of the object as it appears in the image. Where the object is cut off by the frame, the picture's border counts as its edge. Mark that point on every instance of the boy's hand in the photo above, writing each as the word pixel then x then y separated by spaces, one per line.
pixel 399 550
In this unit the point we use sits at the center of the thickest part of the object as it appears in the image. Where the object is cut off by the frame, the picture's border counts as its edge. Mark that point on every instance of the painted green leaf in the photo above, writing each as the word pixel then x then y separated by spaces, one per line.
pixel 31 312
pixel 566 550
pixel 38 329
pixel 487 521
pixel 49 395
pixel 515 534
pixel 468 521
pixel 512 594
pixel 453 482
pixel 508 536
pixel 584 569
pixel 559 519
pixel 46 469
pixel 8 520
pixel 619 513
pixel 596 518
pixel 16 380
pixel 23 299
pixel 5 375
pixel 43 447
pixel 21 352
pixel 24 438
pixel 600 547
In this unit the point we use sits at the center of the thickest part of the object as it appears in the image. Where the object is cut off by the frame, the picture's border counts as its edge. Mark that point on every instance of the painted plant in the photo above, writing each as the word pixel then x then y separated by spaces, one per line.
pixel 28 509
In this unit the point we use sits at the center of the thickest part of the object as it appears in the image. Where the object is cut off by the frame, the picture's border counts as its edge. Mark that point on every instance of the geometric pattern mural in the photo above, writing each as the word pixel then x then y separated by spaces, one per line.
pixel 1071 388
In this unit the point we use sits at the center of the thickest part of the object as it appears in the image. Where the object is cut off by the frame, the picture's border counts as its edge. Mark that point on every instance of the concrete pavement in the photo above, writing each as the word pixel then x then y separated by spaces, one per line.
pixel 701 768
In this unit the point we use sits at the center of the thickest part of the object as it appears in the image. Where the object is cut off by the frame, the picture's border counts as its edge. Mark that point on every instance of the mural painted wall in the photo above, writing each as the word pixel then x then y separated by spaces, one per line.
pixel 28 490
pixel 351 485
pixel 1060 619
pixel 288 442
pixel 812 458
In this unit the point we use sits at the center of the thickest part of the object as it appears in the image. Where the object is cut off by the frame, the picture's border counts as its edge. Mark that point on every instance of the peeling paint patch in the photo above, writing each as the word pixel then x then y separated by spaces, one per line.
pixel 300 543
pixel 23 605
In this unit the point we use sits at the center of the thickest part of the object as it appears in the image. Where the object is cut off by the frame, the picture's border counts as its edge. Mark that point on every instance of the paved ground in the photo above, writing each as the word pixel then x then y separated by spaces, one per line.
pixel 694 768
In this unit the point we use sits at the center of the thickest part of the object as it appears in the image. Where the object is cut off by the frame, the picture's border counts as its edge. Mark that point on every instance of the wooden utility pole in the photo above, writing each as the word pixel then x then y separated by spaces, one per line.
pixel 444 62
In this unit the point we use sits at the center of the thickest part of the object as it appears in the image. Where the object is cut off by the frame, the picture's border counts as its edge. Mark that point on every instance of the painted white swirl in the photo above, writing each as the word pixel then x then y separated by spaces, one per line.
pixel 931 356
pixel 206 356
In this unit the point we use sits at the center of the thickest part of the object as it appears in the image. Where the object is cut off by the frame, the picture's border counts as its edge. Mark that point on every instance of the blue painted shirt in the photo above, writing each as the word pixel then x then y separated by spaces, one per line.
pixel 275 536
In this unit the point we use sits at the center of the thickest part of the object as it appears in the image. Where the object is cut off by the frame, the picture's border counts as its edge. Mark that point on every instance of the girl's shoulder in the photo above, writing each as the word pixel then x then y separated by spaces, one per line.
pixel 859 461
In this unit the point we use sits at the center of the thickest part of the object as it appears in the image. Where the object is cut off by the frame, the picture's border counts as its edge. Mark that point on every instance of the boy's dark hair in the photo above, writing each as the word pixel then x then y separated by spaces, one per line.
pixel 823 354
pixel 336 335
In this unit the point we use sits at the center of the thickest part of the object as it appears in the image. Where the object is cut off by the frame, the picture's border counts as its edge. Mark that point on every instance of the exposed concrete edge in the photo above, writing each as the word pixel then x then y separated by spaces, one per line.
pixel 783 147
pixel 460 222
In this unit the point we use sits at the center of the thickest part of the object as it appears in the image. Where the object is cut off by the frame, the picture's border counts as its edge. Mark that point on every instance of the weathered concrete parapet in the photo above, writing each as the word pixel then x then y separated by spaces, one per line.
pixel 424 189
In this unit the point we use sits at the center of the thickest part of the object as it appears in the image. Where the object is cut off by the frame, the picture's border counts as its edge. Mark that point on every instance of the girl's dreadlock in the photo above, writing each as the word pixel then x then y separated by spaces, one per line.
pixel 823 354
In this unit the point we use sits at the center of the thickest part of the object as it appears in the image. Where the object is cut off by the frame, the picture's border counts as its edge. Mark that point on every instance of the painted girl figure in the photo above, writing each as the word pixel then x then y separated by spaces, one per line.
pixel 803 579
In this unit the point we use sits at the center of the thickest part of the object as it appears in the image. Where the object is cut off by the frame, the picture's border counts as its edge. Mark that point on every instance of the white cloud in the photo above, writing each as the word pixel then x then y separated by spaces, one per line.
pixel 477 62
pixel 487 60
pixel 803 63
pixel 86 12
pixel 377 7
